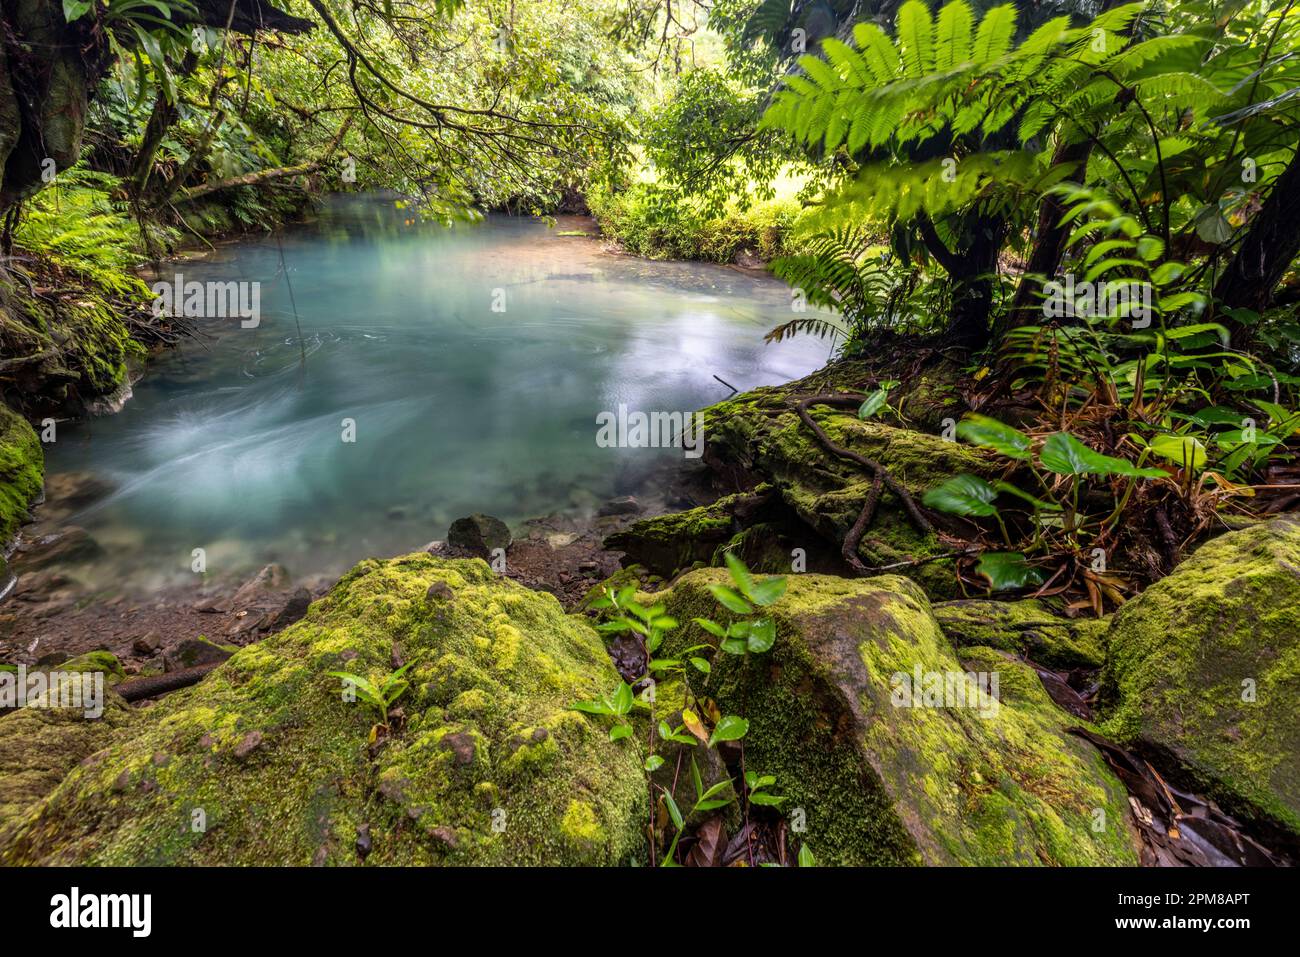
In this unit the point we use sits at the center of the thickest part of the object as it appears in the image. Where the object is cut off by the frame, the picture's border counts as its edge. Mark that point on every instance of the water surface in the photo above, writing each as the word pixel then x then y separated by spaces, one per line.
pixel 238 446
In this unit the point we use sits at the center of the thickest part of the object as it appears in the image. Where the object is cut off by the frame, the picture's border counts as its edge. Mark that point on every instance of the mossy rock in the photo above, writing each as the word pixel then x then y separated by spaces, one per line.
pixel 756 436
pixel 1028 627
pixel 39 746
pixel 487 764
pixel 1204 668
pixel 667 544
pixel 883 784
pixel 22 473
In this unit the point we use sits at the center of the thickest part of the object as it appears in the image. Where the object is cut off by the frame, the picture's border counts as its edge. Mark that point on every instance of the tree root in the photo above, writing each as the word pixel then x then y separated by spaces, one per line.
pixel 881 478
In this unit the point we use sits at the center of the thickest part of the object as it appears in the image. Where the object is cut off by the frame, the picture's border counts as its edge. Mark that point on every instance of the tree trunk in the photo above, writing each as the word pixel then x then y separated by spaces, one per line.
pixel 1271 244
pixel 1049 245
pixel 971 271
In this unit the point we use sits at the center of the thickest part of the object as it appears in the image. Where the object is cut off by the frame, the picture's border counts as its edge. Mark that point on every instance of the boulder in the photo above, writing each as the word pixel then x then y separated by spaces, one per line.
pixel 758 437
pixel 484 762
pixel 1203 670
pixel 884 776
pixel 479 534
pixel 1028 627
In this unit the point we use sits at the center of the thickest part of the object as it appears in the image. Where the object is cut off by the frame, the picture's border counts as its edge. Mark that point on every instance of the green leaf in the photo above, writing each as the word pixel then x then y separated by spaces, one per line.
pixel 735 646
pixel 1063 454
pixel 729 600
pixel 1185 451
pixel 769 800
pixel 806 858
pixel 701 665
pixel 674 811
pixel 1006 570
pixel 873 404
pixel 620 731
pixel 653 763
pixel 963 495
pixel 622 702
pixel 730 728
pixel 711 627
pixel 592 707
pixel 991 434
pixel 762 636
pixel 74 10
pixel 767 591
pixel 739 573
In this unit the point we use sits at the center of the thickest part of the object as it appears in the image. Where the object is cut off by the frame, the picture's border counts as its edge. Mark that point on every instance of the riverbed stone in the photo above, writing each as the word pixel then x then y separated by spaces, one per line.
pixel 496 667
pixel 479 534
pixel 1203 669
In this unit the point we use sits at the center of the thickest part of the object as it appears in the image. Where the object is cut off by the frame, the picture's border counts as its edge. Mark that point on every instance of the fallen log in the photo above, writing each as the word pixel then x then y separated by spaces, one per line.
pixel 138 689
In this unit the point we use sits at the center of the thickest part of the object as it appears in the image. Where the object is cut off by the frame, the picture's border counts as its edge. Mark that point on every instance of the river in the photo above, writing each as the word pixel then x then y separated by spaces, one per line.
pixel 429 372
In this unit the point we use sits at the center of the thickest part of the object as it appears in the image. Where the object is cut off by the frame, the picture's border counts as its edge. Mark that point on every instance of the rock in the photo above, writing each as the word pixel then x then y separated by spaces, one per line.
pixel 39 746
pixel 67 493
pixel 249 744
pixel 68 546
pixel 625 505
pixel 993 782
pixel 147 645
pixel 1204 668
pixel 195 651
pixel 22 463
pixel 294 608
pixel 439 591
pixel 479 534
pixel 271 579
pixel 756 437
pixel 499 665
pixel 667 544
pixel 1027 628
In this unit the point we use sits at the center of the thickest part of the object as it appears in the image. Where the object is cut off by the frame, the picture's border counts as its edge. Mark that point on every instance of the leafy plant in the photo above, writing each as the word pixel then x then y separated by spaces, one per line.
pixel 382 696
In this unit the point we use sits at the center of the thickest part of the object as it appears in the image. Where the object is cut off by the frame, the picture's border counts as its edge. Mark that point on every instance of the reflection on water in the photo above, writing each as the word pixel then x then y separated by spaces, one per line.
pixel 237 447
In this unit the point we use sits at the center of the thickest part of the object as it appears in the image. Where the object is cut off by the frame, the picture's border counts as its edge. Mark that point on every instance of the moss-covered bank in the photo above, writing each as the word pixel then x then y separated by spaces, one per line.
pixel 22 474
pixel 486 764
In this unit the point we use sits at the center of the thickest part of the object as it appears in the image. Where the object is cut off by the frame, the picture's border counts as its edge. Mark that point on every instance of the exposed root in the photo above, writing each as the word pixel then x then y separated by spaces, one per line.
pixel 881 478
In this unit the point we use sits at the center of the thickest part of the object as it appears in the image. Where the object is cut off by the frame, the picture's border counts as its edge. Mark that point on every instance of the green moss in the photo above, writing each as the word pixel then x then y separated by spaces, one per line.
pixel 759 435
pixel 483 767
pixel 882 784
pixel 38 746
pixel 22 473
pixel 1204 667
pixel 666 544
pixel 1026 628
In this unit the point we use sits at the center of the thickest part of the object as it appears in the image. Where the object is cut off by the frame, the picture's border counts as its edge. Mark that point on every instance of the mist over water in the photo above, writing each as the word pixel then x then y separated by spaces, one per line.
pixel 236 446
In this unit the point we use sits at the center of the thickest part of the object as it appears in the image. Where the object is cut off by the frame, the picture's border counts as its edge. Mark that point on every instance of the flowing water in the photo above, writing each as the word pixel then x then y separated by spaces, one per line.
pixel 471 361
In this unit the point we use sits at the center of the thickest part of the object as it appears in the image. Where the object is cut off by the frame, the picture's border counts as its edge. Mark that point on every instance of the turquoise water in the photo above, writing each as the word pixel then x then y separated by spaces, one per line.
pixel 237 446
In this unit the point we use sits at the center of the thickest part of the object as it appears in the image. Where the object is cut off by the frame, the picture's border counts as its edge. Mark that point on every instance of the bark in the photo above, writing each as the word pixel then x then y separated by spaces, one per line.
pixel 1049 244
pixel 1271 244
pixel 266 175
pixel 971 271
